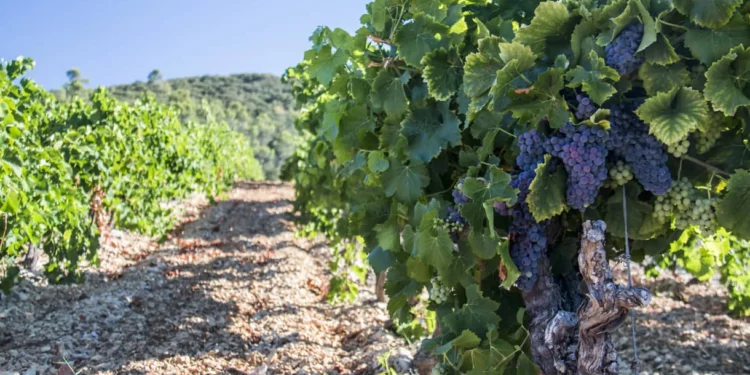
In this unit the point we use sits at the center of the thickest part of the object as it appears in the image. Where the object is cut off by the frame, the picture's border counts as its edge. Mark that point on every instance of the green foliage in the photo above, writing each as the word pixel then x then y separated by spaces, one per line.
pixel 66 165
pixel 429 97
pixel 256 105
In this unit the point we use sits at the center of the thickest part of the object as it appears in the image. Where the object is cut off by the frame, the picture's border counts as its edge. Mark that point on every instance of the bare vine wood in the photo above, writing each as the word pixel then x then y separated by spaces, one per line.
pixel 579 343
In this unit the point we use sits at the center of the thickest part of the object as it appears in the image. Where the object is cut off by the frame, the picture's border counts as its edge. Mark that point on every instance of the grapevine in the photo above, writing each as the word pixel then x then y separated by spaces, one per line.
pixel 526 120
pixel 78 163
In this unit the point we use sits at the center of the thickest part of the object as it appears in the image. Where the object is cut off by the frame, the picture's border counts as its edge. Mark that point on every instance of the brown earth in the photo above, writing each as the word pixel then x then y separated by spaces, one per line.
pixel 232 291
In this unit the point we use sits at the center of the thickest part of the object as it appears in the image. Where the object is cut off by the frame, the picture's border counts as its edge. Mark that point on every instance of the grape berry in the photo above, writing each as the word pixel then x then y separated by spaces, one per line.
pixel 583 151
pixel 586 108
pixel 630 140
pixel 621 53
pixel 439 292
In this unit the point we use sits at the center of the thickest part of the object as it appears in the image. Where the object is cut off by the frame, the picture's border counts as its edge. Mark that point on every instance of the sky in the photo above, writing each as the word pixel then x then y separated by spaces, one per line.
pixel 121 41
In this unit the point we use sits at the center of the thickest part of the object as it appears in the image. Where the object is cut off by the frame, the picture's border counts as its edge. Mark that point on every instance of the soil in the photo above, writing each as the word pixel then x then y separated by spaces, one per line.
pixel 233 291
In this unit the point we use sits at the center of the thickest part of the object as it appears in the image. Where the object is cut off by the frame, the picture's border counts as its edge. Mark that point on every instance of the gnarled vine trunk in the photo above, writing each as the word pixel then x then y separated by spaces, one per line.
pixel 570 334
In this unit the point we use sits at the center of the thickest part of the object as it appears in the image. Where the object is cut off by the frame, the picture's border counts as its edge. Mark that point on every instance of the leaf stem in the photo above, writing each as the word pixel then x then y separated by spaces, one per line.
pixel 706 165
pixel 674 25
pixel 507 132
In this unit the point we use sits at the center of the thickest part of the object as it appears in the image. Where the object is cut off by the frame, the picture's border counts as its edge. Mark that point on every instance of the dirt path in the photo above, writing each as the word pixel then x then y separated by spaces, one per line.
pixel 232 293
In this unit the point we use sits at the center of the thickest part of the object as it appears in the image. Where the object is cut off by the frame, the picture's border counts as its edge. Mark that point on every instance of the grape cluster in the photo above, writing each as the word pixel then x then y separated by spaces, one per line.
pixel 706 140
pixel 703 214
pixel 439 292
pixel 630 140
pixel 459 197
pixel 586 108
pixel 679 149
pixel 688 208
pixel 529 241
pixel 503 209
pixel 621 53
pixel 583 152
pixel 620 174
pixel 532 150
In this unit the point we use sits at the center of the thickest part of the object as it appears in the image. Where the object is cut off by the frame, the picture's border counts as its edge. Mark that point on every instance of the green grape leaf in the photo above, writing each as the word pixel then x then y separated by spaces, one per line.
pixel 709 45
pixel 442 74
pixel 417 270
pixel 466 340
pixel 633 11
pixel 405 182
pixel 334 109
pixel 731 211
pixel 708 13
pixel 658 78
pixel 429 129
pixel 583 34
pixel 355 128
pixel 435 8
pixel 639 213
pixel 433 247
pixel 727 81
pixel 475 315
pixel 388 94
pixel 491 358
pixel 323 68
pixel 379 13
pixel 387 233
pixel 480 71
pixel 468 158
pixel 526 366
pixel 12 202
pixel 593 76
pixel 360 89
pixel 511 270
pixel 661 52
pixel 549 18
pixel 490 47
pixel 380 259
pixel 420 37
pixel 674 114
pixel 377 162
pixel 543 101
pixel 340 39
pixel 496 189
pixel 518 59
pixel 482 244
pixel 546 197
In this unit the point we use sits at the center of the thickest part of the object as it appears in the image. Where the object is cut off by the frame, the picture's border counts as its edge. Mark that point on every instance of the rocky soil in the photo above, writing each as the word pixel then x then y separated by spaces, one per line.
pixel 232 291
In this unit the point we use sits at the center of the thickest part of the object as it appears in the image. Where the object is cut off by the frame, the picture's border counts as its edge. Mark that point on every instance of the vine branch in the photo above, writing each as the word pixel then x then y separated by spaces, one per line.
pixel 706 165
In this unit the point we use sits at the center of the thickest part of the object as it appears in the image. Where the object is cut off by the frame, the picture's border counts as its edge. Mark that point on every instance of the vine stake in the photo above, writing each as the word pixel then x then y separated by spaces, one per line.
pixel 630 278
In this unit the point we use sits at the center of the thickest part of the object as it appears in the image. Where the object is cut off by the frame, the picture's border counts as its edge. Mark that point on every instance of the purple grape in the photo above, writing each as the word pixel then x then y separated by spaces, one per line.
pixel 582 150
pixel 631 141
pixel 586 108
pixel 456 223
pixel 459 197
pixel 529 237
pixel 621 53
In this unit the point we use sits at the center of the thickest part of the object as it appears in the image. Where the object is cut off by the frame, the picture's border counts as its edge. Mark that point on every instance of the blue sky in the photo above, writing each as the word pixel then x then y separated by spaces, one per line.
pixel 121 41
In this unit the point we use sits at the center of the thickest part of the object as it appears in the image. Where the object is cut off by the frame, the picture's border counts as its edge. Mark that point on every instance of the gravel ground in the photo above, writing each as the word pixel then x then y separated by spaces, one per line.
pixel 233 292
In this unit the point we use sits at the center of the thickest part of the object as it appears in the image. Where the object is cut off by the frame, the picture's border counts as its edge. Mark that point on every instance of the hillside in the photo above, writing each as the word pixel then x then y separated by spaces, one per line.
pixel 258 105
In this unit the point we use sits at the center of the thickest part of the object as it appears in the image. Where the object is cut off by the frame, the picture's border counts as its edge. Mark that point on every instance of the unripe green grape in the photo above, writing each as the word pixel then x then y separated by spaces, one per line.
pixel 706 140
pixel 620 174
pixel 439 292
pixel 680 148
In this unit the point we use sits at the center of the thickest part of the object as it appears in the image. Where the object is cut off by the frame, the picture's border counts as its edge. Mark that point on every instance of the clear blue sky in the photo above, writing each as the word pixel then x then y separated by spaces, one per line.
pixel 121 41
